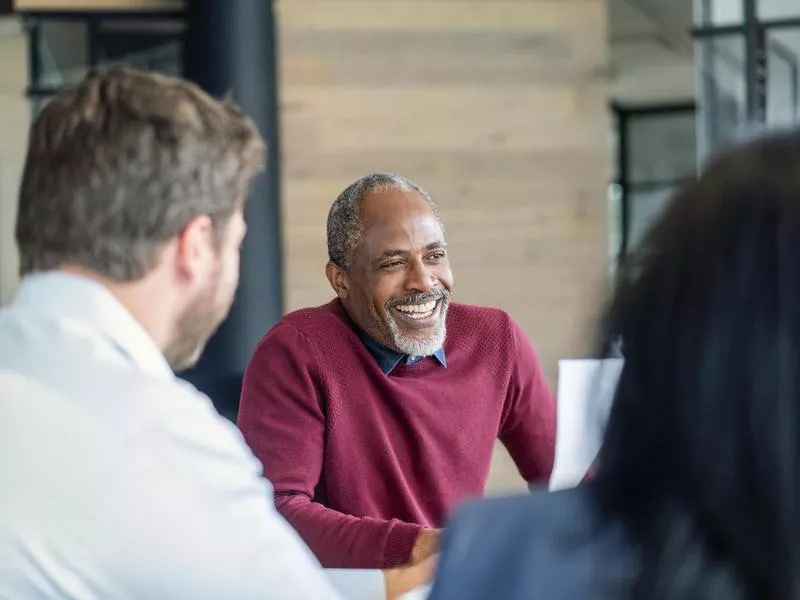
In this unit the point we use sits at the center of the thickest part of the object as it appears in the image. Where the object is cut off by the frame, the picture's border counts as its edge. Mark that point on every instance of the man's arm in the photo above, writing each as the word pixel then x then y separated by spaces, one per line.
pixel 282 417
pixel 528 429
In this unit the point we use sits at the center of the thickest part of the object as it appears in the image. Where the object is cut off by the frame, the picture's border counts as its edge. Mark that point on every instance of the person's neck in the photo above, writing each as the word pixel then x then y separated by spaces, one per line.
pixel 145 299
pixel 364 333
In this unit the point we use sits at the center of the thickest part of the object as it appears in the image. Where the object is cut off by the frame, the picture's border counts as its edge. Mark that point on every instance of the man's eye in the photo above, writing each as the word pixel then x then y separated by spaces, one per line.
pixel 391 265
pixel 437 255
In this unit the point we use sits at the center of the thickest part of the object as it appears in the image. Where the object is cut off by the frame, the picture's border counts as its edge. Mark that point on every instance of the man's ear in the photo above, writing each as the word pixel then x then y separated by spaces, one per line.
pixel 194 246
pixel 338 280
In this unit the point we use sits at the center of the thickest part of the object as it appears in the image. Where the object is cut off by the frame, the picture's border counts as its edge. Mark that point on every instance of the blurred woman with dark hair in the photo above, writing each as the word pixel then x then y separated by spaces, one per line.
pixel 696 493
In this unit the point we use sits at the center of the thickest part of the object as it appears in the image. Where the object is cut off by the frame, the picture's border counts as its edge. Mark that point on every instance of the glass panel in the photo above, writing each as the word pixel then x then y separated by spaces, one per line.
pixel 778 9
pixel 153 45
pixel 783 77
pixel 709 13
pixel 644 206
pixel 63 52
pixel 722 96
pixel 36 105
pixel 662 147
pixel 65 47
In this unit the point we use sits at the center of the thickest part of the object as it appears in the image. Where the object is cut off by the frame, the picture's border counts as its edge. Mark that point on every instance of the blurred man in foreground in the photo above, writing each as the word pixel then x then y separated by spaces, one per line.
pixel 119 480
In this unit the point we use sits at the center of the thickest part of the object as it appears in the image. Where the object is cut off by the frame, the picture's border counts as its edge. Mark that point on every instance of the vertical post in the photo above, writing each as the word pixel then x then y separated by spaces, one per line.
pixel 33 28
pixel 710 98
pixel 230 49
pixel 624 175
pixel 755 64
pixel 92 41
pixel 34 51
pixel 706 15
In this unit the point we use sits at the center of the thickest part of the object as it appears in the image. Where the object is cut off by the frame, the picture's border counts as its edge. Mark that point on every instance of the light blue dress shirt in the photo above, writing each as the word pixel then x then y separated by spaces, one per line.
pixel 120 480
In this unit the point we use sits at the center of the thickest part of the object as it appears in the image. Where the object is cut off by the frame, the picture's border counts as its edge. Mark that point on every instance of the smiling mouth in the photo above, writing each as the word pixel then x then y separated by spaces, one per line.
pixel 418 311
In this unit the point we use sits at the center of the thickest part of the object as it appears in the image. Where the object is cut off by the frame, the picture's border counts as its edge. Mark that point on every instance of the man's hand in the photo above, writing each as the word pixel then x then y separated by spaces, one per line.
pixel 427 544
pixel 419 571
pixel 402 580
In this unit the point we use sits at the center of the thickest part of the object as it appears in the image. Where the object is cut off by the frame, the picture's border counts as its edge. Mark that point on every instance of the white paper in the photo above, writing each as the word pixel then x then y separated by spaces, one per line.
pixel 420 593
pixel 585 393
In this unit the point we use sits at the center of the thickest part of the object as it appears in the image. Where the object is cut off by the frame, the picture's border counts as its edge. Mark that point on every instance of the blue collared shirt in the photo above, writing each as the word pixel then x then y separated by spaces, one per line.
pixel 388 359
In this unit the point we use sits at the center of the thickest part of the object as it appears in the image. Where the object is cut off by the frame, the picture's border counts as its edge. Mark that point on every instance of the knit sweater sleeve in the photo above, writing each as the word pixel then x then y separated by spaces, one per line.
pixel 528 429
pixel 282 417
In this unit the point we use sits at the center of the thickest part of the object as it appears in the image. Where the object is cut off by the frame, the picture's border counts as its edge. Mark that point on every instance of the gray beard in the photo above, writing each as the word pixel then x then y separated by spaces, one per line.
pixel 420 347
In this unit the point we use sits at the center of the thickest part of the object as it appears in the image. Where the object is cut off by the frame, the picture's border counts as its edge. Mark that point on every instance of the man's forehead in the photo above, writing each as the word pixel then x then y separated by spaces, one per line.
pixel 395 209
pixel 398 220
pixel 388 203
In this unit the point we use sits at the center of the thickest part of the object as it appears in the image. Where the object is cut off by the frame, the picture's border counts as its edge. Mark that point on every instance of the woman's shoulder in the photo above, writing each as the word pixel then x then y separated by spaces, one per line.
pixel 544 544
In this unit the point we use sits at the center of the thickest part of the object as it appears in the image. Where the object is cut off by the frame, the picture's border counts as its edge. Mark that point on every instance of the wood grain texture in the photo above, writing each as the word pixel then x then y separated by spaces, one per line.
pixel 15 116
pixel 497 108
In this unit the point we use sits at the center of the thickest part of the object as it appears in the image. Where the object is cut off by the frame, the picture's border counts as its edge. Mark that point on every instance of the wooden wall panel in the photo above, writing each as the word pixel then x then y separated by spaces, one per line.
pixel 15 118
pixel 497 108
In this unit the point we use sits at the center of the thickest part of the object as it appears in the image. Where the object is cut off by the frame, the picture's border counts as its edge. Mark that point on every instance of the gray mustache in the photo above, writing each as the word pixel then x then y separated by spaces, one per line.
pixel 419 298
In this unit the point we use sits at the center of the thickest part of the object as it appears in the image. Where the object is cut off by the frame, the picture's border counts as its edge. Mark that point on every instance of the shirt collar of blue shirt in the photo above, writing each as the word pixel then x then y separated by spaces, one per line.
pixel 388 359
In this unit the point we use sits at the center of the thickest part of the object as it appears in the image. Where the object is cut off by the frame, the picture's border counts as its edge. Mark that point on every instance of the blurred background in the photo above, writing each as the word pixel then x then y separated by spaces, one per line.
pixel 550 132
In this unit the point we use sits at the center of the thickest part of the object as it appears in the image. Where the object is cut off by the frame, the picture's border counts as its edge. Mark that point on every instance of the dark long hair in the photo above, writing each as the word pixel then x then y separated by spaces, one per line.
pixel 701 459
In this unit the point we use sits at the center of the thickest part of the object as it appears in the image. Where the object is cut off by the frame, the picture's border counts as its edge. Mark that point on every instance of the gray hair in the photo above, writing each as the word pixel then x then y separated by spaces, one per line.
pixel 344 220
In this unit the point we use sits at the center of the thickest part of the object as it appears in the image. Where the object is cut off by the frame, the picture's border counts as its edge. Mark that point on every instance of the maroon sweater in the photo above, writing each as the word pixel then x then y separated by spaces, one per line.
pixel 361 461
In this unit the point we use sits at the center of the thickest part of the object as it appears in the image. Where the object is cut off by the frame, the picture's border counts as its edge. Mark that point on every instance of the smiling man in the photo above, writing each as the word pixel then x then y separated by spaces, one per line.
pixel 375 414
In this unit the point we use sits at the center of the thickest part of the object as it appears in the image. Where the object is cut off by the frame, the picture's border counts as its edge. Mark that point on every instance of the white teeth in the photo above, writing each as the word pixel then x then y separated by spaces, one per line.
pixel 418 311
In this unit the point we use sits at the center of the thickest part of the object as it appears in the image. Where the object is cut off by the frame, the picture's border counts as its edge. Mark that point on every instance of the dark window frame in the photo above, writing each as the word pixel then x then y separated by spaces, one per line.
pixel 757 44
pixel 624 116
pixel 35 92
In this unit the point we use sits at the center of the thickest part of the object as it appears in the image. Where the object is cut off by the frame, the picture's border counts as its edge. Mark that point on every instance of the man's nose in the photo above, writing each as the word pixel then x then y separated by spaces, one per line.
pixel 420 278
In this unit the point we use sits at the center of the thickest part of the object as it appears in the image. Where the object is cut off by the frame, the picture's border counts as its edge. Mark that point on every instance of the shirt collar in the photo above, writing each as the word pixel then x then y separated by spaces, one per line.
pixel 388 359
pixel 85 302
